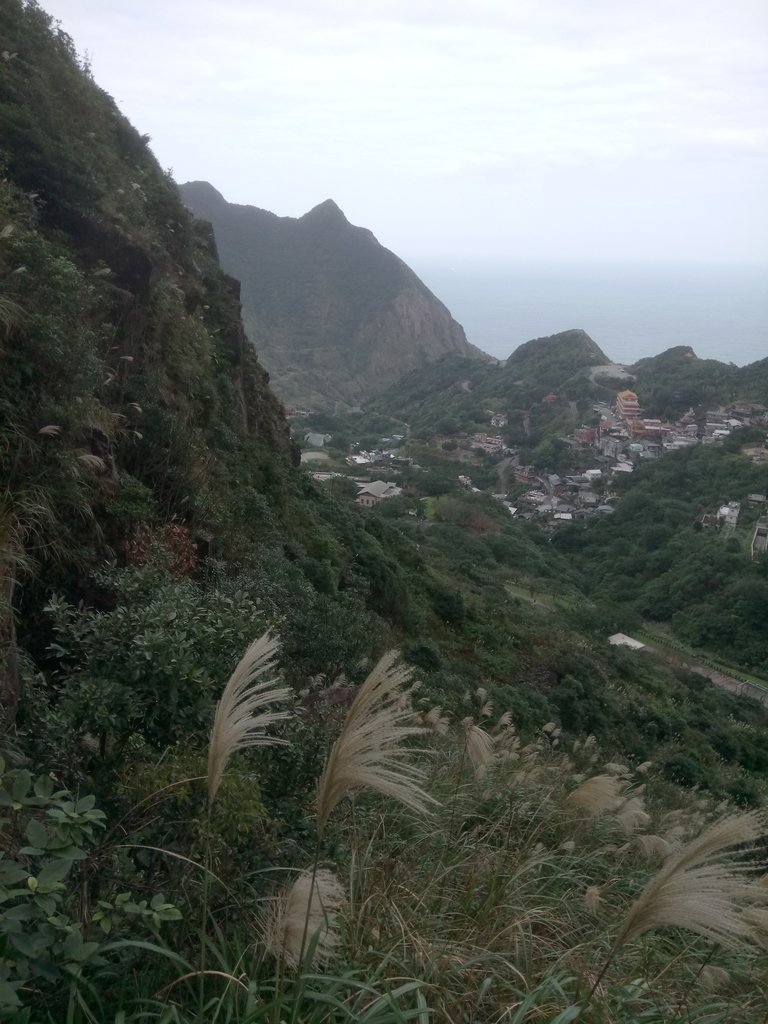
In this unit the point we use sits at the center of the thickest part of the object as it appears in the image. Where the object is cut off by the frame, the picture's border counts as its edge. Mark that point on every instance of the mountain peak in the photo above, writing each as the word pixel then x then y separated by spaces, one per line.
pixel 327 212
pixel 203 191
pixel 334 315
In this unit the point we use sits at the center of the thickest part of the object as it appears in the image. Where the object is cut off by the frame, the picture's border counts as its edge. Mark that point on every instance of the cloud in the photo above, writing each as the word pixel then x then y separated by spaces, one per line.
pixel 405 102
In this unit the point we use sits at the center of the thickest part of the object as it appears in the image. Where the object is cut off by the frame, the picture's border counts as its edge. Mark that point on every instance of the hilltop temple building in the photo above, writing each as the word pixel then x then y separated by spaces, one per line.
pixel 627 406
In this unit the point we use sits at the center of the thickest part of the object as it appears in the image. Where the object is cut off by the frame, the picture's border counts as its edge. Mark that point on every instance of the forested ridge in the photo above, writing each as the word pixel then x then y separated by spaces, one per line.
pixel 221 797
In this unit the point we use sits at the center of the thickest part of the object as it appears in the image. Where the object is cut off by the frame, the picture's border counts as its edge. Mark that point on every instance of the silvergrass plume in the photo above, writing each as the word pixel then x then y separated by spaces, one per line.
pixel 239 720
pixel 504 722
pixel 436 721
pixel 370 751
pixel 707 886
pixel 632 815
pixel 592 899
pixel 304 915
pixel 598 794
pixel 479 746
pixel 652 846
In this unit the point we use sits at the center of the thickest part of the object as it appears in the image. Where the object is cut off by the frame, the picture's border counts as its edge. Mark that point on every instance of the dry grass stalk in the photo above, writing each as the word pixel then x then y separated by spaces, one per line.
pixel 239 720
pixel 652 846
pixel 593 899
pixel 436 721
pixel 305 915
pixel 370 751
pixel 479 746
pixel 599 794
pixel 757 917
pixel 706 887
pixel 51 430
pixel 504 723
pixel 632 815
pixel 92 461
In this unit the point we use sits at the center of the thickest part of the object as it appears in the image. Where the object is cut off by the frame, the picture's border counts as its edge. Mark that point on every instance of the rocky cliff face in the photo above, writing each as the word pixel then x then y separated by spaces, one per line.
pixel 333 314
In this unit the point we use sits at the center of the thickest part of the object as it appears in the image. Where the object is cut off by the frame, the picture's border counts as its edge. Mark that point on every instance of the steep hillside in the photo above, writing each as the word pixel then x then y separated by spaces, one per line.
pixel 461 392
pixel 129 395
pixel 551 362
pixel 333 314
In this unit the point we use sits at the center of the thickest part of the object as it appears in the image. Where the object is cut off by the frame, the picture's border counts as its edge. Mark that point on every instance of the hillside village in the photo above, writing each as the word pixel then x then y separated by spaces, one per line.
pixel 619 438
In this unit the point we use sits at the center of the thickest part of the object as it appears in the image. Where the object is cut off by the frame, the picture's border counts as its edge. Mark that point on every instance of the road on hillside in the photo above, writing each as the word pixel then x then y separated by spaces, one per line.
pixel 721 679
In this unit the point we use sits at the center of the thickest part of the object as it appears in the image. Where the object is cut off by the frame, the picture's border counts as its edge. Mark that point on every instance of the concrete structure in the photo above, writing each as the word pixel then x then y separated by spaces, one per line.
pixel 760 537
pixel 315 439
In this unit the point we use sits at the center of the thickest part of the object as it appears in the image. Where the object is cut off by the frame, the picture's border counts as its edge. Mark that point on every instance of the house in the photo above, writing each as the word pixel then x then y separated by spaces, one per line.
pixel 550 398
pixel 499 419
pixel 488 443
pixel 756 499
pixel 729 514
pixel 622 640
pixel 610 446
pixel 371 494
pixel 585 435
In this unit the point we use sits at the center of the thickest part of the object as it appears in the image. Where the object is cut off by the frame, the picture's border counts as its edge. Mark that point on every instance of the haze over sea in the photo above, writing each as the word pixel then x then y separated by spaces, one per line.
pixel 632 310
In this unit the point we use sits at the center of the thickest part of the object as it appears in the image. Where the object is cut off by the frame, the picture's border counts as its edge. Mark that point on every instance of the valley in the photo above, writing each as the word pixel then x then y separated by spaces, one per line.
pixel 309 708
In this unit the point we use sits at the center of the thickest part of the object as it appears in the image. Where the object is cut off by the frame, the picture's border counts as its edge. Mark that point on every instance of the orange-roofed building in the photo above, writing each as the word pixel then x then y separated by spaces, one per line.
pixel 627 406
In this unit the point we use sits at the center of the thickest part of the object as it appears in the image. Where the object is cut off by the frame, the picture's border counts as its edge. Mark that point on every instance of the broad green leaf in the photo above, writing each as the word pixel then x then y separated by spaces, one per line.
pixel 21 784
pixel 54 871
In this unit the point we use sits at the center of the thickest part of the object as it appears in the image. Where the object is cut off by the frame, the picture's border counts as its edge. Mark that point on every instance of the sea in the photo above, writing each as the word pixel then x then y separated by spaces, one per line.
pixel 631 310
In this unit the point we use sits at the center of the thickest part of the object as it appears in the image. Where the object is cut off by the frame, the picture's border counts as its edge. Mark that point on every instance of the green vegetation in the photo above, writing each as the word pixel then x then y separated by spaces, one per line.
pixel 677 380
pixel 457 395
pixel 154 520
pixel 654 559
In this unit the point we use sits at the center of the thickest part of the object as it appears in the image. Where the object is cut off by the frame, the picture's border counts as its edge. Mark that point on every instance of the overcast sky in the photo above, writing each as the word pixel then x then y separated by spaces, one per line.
pixel 493 129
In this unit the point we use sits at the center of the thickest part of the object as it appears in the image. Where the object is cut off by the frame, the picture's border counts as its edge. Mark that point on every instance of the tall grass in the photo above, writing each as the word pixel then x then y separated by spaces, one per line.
pixel 538 887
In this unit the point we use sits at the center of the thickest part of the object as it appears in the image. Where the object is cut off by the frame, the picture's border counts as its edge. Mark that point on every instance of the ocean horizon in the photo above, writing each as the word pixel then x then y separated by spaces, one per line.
pixel 631 310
